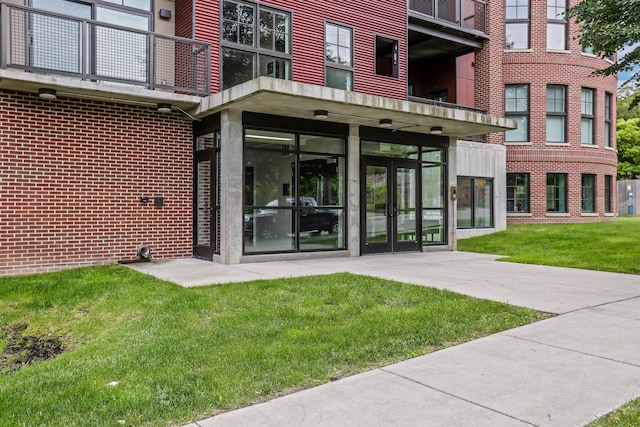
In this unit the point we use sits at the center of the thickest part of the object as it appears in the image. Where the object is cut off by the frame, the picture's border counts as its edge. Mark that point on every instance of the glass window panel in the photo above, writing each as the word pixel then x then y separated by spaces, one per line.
pixel 320 240
pixel 556 36
pixel 430 154
pixel 376 204
pixel 517 192
pixel 65 7
pixel 230 10
pixel 321 144
pixel 322 182
pixel 556 9
pixel 586 104
pixel 587 131
pixel 433 226
pixel 464 203
pixel 344 56
pixel 517 35
pixel 607 134
pixel 406 204
pixel 331 34
pixel 275 67
pixel 521 134
pixel 230 31
pixel 237 67
pixel 588 193
pixel 339 79
pixel 556 192
pixel 517 9
pixel 386 149
pixel 245 14
pixel 269 230
pixel 555 99
pixel 284 142
pixel 433 189
pixel 124 19
pixel 555 129
pixel 204 142
pixel 245 35
pixel 138 4
pixel 482 203
pixel 344 37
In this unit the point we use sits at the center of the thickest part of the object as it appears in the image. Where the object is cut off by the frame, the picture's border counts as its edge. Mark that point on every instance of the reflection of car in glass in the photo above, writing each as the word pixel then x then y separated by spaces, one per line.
pixel 268 222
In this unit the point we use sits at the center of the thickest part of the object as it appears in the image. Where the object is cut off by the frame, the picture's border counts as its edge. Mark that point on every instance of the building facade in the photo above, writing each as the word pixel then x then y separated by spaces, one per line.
pixel 240 131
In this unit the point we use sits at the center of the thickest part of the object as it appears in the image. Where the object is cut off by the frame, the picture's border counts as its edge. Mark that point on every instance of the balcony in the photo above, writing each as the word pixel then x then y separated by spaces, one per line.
pixel 53 44
pixel 470 15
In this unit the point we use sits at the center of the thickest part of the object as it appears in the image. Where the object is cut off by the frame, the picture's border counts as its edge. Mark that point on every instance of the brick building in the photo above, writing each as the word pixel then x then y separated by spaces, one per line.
pixel 239 131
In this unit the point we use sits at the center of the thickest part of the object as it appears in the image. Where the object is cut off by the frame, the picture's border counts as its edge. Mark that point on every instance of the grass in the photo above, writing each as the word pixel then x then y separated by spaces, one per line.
pixel 608 246
pixel 605 246
pixel 180 355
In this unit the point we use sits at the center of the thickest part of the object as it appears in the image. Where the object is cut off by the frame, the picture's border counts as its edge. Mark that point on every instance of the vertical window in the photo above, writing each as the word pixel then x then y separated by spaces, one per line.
pixel 587 121
pixel 294 187
pixel 607 119
pixel 434 196
pixel 516 101
pixel 256 41
pixel 588 193
pixel 608 180
pixel 556 25
pixel 517 24
pixel 556 192
pixel 556 113
pixel 386 57
pixel 475 203
pixel 339 57
pixel 517 192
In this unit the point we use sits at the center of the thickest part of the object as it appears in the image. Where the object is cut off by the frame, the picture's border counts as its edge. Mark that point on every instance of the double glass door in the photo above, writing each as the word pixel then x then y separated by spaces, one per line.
pixel 390 206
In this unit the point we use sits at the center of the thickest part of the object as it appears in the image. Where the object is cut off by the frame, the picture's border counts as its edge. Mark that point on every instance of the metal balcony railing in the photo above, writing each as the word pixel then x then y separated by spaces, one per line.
pixel 467 14
pixel 49 43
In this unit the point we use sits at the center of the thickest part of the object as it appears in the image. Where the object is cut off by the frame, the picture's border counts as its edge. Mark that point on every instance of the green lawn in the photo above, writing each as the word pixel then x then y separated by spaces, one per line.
pixel 606 246
pixel 175 355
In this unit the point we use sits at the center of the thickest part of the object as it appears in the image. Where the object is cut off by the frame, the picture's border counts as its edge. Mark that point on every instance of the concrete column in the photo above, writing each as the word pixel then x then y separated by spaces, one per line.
pixel 231 209
pixel 353 191
pixel 452 214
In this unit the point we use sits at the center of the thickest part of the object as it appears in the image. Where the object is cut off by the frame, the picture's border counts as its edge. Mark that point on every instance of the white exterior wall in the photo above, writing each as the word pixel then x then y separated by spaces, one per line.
pixel 475 159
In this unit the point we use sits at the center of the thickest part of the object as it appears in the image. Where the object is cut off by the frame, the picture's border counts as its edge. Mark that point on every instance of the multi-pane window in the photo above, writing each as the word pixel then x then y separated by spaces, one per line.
pixel 517 24
pixel 608 98
pixel 588 193
pixel 339 56
pixel 556 113
pixel 256 42
pixel 608 180
pixel 517 192
pixel 516 100
pixel 587 122
pixel 475 202
pixel 556 192
pixel 294 192
pixel 556 25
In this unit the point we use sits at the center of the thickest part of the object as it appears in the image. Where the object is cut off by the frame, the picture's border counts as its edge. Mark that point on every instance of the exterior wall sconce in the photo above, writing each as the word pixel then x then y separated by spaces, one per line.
pixel 385 123
pixel 321 114
pixel 436 130
pixel 45 93
pixel 164 108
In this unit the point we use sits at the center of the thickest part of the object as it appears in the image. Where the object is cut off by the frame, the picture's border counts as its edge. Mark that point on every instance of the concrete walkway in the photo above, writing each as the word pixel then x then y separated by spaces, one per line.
pixel 564 371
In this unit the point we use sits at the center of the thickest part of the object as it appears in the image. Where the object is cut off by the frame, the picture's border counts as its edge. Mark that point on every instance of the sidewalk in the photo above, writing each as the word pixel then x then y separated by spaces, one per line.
pixel 564 371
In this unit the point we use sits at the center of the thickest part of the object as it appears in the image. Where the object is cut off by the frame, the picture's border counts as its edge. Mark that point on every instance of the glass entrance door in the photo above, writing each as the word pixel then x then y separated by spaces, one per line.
pixel 205 208
pixel 390 206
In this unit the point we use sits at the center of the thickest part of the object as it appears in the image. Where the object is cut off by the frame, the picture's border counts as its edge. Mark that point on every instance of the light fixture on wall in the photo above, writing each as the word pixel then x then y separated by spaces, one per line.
pixel 385 123
pixel 45 93
pixel 436 130
pixel 164 108
pixel 321 114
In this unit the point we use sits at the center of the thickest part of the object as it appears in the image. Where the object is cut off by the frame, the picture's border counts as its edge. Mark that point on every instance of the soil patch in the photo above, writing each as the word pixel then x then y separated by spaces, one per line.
pixel 20 349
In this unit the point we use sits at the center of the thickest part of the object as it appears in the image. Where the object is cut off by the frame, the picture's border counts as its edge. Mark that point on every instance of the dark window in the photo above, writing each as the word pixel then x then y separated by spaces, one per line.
pixel 556 25
pixel 338 56
pixel 516 101
pixel 256 41
pixel 608 98
pixel 517 192
pixel 588 193
pixel 556 192
pixel 587 122
pixel 517 24
pixel 608 180
pixel 556 113
pixel 475 202
pixel 386 57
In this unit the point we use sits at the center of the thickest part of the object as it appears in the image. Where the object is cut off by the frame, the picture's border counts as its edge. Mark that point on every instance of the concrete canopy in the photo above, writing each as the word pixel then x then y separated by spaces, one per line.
pixel 292 99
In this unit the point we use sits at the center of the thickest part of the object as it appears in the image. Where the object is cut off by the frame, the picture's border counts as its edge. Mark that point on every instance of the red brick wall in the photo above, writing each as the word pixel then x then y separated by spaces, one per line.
pixel 72 174
pixel 538 67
